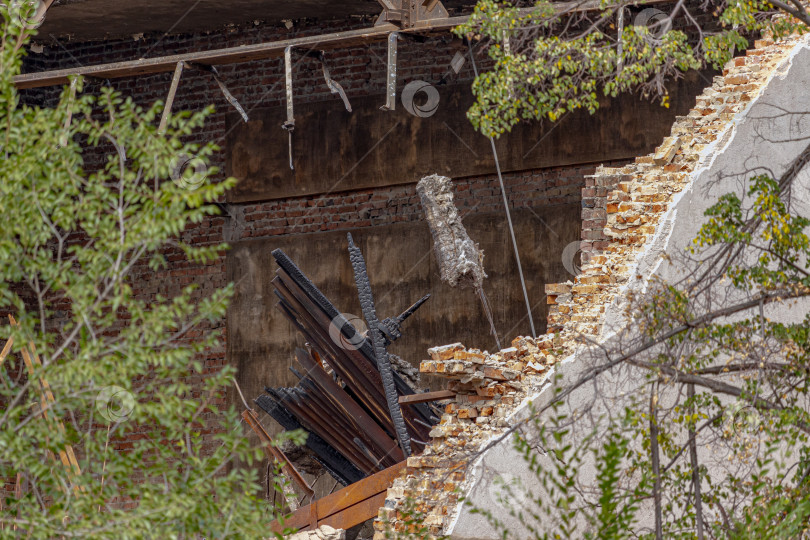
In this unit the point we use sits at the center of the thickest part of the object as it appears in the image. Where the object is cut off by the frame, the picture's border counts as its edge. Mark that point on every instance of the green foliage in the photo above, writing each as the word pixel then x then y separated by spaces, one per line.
pixel 124 365
pixel 734 415
pixel 556 506
pixel 546 63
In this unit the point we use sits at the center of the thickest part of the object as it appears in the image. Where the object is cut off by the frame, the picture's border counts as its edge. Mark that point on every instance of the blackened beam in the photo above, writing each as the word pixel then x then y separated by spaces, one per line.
pixel 338 466
pixel 342 428
pixel 362 379
pixel 261 51
pixel 364 382
pixel 303 283
pixel 392 327
pixel 315 420
pixel 346 405
pixel 351 365
pixel 380 352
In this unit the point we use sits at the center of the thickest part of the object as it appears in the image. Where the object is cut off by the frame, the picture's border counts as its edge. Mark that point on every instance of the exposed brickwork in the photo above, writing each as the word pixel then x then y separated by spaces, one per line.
pixel 393 204
pixel 621 208
pixel 488 387
pixel 629 201
pixel 361 71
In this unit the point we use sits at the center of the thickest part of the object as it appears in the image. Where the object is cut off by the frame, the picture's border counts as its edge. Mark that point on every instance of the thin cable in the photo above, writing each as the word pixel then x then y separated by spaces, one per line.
pixel 508 213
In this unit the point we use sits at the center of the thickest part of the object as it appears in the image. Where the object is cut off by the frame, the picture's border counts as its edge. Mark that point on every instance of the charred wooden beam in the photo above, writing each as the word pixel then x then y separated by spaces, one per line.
pixel 380 351
pixel 356 420
pixel 351 335
pixel 335 464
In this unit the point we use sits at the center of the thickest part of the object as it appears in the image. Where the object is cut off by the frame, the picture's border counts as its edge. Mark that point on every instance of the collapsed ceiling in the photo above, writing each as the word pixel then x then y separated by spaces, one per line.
pixel 99 19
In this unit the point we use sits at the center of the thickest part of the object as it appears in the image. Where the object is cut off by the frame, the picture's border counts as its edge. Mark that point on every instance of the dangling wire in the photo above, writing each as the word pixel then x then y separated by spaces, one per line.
pixel 508 213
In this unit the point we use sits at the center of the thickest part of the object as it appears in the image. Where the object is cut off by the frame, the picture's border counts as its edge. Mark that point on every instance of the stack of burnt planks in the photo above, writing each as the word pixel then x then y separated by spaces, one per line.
pixel 339 399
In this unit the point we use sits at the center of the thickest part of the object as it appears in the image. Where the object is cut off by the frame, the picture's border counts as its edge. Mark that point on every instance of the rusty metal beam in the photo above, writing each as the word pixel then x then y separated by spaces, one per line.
pixel 349 506
pixel 426 397
pixel 261 51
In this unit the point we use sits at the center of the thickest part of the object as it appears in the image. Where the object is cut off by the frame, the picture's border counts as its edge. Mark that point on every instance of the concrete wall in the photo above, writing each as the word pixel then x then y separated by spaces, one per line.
pixel 764 136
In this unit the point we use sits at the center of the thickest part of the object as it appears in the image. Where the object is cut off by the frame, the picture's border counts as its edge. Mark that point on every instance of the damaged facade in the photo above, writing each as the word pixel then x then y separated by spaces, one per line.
pixel 348 166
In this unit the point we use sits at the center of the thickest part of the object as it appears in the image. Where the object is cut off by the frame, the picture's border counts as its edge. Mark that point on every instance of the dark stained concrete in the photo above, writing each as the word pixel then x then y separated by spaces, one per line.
pixel 401 268
pixel 337 150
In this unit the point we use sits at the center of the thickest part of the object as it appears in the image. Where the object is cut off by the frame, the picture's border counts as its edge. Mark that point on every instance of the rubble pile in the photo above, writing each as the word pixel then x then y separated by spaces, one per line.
pixel 488 387
pixel 625 206
pixel 324 532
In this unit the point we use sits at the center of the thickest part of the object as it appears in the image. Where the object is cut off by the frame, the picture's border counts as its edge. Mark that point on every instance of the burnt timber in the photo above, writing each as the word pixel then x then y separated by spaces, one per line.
pixel 339 399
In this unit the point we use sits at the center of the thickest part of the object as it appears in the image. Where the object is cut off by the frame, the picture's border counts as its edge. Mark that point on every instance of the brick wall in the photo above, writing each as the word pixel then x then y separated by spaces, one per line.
pixel 394 204
pixel 361 71
pixel 622 209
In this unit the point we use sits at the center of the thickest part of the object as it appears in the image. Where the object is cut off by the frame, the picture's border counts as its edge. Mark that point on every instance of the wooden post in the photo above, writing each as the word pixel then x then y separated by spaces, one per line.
pixel 167 108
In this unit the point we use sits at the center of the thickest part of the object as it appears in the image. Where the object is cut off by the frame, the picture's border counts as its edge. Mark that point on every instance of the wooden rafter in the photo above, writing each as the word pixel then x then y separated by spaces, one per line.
pixel 261 51
pixel 346 508
pixel 230 55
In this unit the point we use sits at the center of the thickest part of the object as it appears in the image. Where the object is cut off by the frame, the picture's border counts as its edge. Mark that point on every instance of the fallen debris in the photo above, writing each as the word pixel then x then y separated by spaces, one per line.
pixel 324 532
pixel 343 409
pixel 460 260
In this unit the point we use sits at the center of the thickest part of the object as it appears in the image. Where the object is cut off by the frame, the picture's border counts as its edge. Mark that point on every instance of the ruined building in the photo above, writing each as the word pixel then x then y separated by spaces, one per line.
pixel 594 199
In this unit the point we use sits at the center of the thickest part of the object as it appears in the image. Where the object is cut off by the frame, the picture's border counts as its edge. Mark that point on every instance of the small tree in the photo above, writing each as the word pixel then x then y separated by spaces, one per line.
pixel 701 403
pixel 552 58
pixel 710 429
pixel 98 371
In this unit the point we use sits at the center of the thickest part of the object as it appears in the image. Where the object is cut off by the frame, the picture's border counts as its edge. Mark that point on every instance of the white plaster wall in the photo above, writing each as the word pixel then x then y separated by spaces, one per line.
pixel 764 138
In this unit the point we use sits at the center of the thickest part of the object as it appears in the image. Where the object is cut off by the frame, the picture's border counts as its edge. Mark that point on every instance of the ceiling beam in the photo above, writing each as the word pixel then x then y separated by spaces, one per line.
pixel 230 55
pixel 261 51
